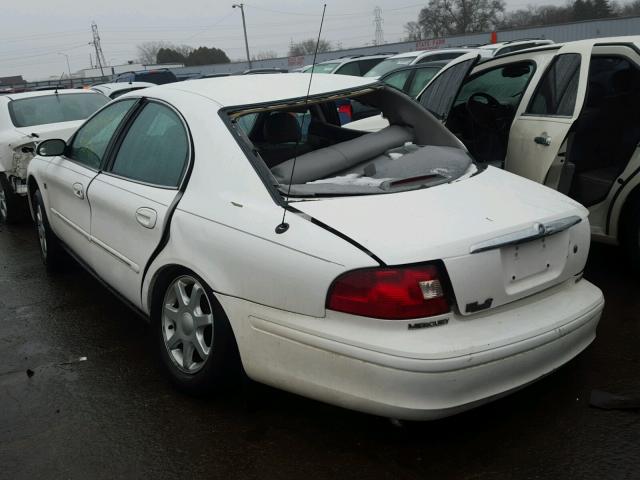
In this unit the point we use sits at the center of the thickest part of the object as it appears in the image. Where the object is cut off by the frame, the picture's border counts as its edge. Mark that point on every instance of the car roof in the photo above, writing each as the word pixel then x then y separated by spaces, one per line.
pixel 354 58
pixel 272 87
pixel 42 93
pixel 492 46
pixel 417 66
pixel 115 86
pixel 424 53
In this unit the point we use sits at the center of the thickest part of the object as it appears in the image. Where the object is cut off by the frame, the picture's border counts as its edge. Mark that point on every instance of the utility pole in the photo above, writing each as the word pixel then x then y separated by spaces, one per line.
pixel 96 44
pixel 68 66
pixel 244 27
pixel 378 21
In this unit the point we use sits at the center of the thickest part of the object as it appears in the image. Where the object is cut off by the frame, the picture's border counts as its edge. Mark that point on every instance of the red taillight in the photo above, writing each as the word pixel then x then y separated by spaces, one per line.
pixel 390 293
pixel 346 109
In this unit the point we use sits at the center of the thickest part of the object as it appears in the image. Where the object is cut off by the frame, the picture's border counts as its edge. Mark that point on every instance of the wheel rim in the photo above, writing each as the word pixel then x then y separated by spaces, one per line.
pixel 42 234
pixel 3 203
pixel 187 324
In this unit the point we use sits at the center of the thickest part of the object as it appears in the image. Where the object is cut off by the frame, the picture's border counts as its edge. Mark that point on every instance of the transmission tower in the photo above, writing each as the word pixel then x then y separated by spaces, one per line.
pixel 96 44
pixel 378 21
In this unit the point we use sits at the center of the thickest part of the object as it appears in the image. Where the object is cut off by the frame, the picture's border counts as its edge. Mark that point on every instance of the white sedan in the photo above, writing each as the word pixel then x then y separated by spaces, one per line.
pixel 26 119
pixel 403 281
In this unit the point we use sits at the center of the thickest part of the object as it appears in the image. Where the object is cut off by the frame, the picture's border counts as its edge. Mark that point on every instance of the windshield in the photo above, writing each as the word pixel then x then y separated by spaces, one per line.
pixel 308 153
pixel 388 65
pixel 28 112
pixel 323 68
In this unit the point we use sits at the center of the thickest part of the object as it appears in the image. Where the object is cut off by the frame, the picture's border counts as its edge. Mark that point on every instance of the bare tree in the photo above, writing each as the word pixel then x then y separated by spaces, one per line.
pixel 453 17
pixel 267 54
pixel 414 31
pixel 148 51
pixel 308 47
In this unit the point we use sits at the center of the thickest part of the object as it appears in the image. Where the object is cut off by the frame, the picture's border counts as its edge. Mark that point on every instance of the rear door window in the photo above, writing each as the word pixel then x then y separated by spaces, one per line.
pixel 155 149
pixel 366 65
pixel 557 91
pixel 351 68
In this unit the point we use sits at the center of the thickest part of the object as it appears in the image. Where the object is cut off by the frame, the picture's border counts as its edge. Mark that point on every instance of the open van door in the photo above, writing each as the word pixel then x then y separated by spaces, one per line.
pixel 441 91
pixel 538 136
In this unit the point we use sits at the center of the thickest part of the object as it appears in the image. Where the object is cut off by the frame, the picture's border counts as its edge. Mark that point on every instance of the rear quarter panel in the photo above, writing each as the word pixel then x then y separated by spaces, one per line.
pixel 224 228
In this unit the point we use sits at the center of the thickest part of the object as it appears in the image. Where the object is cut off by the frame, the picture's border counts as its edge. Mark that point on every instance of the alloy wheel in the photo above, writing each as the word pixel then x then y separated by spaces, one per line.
pixel 42 233
pixel 187 324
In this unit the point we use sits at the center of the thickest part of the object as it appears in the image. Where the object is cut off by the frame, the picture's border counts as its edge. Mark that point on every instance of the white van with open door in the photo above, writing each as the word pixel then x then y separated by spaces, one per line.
pixel 565 115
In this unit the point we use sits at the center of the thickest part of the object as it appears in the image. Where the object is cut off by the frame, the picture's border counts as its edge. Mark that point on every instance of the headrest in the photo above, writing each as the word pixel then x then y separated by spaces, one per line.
pixel 281 127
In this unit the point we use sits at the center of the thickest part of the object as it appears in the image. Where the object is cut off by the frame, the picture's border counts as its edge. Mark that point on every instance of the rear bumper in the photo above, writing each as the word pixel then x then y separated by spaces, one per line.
pixel 278 351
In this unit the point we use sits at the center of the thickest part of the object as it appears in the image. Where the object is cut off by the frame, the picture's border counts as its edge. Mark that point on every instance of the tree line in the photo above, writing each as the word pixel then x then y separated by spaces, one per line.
pixel 455 17
pixel 164 52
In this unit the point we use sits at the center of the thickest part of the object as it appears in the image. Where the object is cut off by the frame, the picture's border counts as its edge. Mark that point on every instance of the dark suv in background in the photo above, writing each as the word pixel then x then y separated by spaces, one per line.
pixel 158 76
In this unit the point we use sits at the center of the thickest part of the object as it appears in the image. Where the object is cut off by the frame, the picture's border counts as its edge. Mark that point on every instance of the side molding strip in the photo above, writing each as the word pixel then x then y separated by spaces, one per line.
pixel 132 265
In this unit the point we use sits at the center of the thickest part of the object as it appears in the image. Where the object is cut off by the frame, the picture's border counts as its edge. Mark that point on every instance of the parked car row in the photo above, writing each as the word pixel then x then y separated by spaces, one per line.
pixel 396 265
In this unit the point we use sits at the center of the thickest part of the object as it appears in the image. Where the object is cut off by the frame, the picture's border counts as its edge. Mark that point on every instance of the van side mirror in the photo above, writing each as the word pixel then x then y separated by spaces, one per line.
pixel 51 148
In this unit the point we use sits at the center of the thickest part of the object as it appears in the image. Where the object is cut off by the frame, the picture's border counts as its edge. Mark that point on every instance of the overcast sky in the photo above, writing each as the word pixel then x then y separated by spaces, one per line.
pixel 34 33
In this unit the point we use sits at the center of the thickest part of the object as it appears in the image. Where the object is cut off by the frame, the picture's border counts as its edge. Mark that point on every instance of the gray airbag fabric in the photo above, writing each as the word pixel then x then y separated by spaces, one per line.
pixel 342 156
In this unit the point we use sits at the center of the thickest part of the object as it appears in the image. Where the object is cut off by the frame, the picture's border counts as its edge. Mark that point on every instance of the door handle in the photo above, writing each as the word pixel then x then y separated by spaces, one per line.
pixel 543 139
pixel 78 190
pixel 146 217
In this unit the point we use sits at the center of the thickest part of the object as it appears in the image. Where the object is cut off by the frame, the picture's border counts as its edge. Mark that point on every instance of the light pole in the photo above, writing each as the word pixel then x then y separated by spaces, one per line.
pixel 68 66
pixel 244 27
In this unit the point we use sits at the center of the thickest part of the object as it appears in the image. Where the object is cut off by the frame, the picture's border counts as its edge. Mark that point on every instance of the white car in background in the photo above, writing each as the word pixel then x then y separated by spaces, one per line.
pixel 114 90
pixel 403 282
pixel 420 56
pixel 356 65
pixel 26 119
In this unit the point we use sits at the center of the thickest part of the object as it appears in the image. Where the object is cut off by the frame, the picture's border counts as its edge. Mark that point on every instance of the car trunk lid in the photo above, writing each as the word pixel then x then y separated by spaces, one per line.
pixel 486 229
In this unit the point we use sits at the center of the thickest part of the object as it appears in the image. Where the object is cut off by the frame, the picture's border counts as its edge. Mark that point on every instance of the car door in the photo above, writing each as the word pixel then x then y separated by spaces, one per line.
pixel 440 92
pixel 132 197
pixel 537 135
pixel 421 77
pixel 68 177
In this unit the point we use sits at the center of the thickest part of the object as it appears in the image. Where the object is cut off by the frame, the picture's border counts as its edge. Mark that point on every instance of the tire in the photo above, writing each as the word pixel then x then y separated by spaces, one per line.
pixel 13 207
pixel 188 319
pixel 51 252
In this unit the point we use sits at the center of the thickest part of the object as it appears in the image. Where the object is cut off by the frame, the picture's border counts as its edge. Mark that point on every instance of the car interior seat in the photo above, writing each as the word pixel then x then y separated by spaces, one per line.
pixel 605 136
pixel 281 140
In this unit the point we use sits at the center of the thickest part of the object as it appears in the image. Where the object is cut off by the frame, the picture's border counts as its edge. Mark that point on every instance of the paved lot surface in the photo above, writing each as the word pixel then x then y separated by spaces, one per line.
pixel 115 416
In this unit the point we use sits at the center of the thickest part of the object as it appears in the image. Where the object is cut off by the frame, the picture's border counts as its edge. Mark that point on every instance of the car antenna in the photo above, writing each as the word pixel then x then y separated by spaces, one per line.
pixel 283 227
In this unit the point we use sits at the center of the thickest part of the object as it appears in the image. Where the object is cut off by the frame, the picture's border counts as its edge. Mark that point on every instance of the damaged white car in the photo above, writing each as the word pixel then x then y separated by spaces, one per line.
pixel 403 281
pixel 26 119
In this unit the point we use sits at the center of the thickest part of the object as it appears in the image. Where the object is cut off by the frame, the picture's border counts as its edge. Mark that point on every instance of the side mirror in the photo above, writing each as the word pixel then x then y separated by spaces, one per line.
pixel 51 148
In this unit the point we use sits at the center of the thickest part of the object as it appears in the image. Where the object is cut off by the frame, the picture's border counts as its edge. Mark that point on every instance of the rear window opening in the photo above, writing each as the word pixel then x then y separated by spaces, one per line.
pixel 309 150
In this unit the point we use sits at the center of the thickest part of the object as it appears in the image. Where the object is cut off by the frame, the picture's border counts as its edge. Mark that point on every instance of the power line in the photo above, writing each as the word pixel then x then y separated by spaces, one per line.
pixel 281 12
